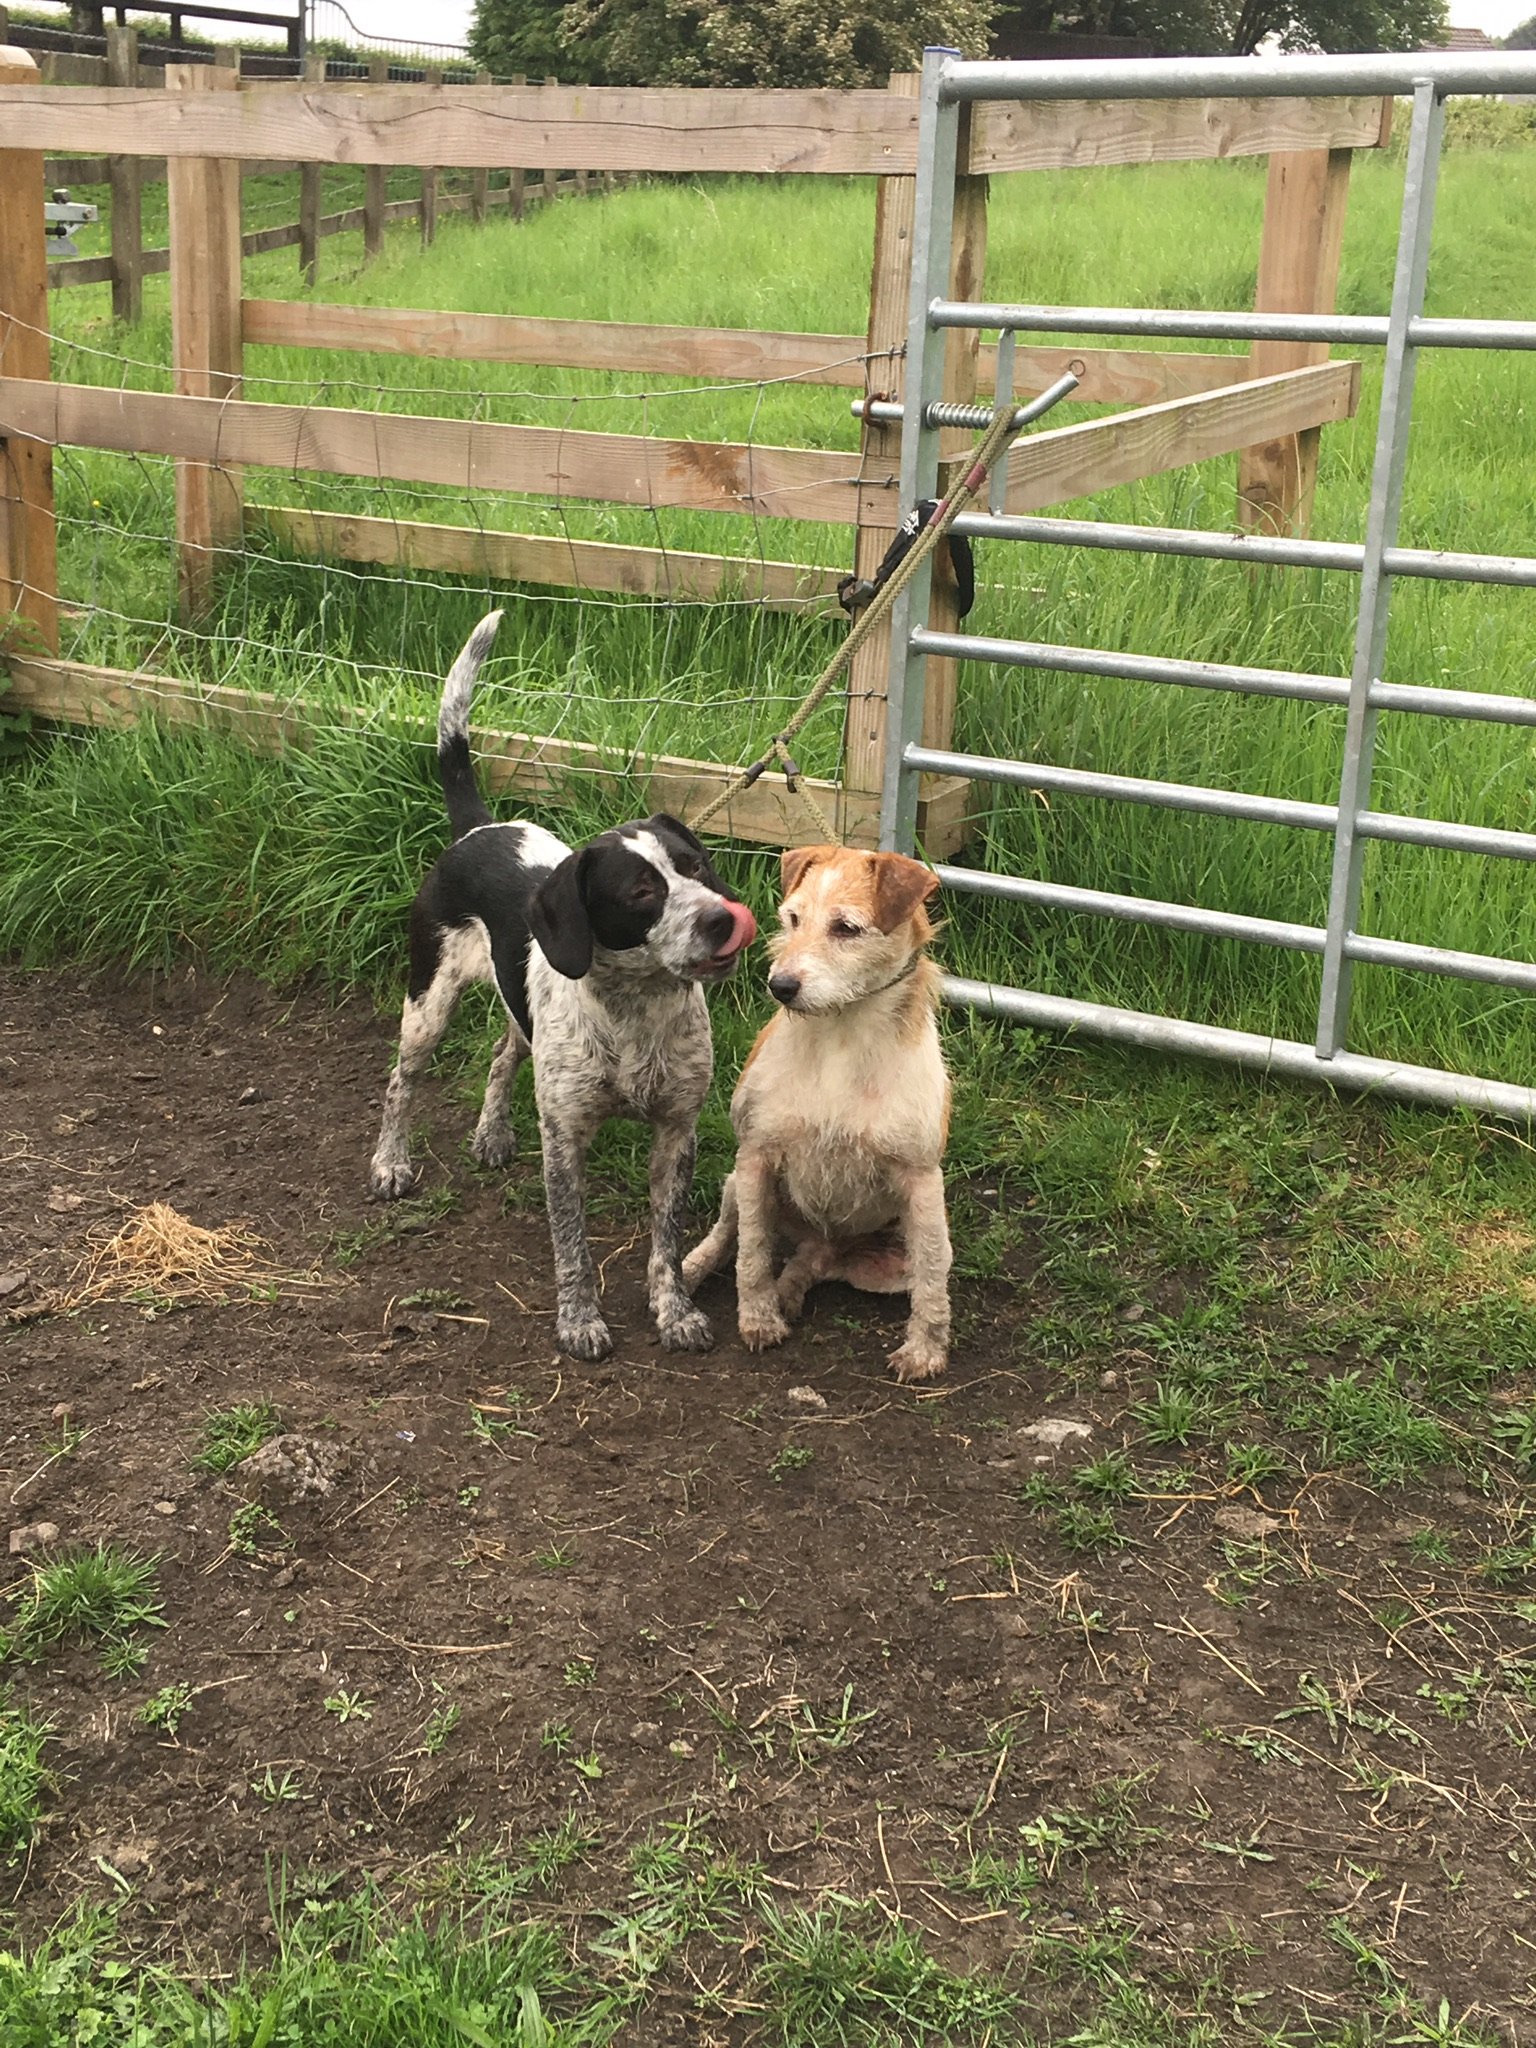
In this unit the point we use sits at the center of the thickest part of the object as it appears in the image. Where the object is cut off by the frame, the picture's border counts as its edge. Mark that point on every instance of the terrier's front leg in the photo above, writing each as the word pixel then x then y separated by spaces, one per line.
pixel 759 1318
pixel 682 1326
pixel 926 1352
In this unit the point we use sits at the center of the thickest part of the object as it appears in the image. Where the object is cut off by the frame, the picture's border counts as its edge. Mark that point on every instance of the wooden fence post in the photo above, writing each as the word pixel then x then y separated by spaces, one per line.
pixel 1304 206
pixel 479 181
pixel 29 577
pixel 309 189
pixel 204 195
pixel 551 177
pixel 432 75
pixel 517 176
pixel 375 179
pixel 895 212
pixel 125 181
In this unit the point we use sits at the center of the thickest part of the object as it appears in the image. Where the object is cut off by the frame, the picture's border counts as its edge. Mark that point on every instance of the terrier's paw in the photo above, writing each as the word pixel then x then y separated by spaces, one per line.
pixel 762 1329
pixel 920 1358
pixel 494 1147
pixel 582 1336
pixel 390 1175
pixel 687 1330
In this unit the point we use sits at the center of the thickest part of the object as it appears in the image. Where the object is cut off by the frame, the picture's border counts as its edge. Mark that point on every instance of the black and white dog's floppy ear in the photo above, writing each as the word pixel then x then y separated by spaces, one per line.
pixel 557 917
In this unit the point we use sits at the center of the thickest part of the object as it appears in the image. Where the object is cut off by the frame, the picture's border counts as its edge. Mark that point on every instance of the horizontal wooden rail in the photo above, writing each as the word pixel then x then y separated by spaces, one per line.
pixel 569 344
pixel 627 469
pixel 1051 135
pixel 661 129
pixel 765 815
pixel 1071 462
pixel 541 558
pixel 469 126
pixel 1110 376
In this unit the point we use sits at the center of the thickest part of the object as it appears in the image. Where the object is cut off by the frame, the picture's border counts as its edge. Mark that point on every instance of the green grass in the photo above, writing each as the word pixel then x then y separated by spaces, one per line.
pixel 23 1778
pixel 230 1434
pixel 103 1596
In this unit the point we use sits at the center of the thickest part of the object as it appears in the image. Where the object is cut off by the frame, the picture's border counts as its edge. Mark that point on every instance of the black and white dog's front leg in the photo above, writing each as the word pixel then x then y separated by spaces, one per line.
pixel 682 1326
pixel 580 1331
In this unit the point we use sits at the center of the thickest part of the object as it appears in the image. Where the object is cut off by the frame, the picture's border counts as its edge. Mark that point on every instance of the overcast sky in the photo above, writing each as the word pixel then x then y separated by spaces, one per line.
pixel 447 21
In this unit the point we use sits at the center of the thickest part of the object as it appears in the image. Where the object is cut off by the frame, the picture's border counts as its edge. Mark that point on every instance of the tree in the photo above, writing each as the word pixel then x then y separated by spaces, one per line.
pixel 1523 37
pixel 835 43
pixel 1237 28
pixel 511 36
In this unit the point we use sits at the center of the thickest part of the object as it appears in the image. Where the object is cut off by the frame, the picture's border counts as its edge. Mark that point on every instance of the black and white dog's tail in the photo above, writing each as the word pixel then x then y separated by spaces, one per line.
pixel 466 806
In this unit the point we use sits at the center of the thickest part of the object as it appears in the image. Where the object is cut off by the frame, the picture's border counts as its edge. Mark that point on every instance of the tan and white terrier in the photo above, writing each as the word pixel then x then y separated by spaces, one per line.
pixel 842 1109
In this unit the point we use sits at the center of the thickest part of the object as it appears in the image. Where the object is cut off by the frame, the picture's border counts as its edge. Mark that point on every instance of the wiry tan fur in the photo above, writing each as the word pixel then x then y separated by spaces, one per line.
pixel 842 1109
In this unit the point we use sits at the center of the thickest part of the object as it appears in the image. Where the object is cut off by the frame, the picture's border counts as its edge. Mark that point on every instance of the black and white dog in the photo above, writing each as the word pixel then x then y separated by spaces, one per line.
pixel 628 929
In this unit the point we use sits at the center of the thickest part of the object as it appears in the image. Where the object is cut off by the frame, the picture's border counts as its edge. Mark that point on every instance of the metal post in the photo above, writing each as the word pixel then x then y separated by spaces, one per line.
pixel 932 234
pixel 1375 582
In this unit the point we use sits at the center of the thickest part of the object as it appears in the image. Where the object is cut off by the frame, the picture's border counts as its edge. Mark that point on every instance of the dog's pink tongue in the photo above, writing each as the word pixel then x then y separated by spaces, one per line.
pixel 743 931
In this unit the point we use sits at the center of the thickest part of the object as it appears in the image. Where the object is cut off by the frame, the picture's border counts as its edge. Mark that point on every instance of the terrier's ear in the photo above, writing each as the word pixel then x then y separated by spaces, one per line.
pixel 795 863
pixel 901 885
pixel 558 919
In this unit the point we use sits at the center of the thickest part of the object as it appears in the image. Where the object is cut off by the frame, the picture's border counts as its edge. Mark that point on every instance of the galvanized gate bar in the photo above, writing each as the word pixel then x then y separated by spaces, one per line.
pixel 1391 467
pixel 1236 78
pixel 1439 564
pixel 1231 924
pixel 1429 700
pixel 1283 1056
pixel 1350 330
pixel 948 82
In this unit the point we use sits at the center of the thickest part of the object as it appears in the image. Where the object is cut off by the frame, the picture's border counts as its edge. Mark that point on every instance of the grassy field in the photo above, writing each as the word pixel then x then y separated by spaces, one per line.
pixel 1291 1294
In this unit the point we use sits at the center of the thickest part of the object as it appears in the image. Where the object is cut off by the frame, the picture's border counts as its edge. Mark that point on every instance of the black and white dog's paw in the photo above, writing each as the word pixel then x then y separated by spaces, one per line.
pixel 687 1329
pixel 582 1336
pixel 495 1147
pixel 390 1175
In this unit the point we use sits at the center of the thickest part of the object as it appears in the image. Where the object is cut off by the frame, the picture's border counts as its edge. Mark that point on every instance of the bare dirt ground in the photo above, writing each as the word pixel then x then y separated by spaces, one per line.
pixel 660 1585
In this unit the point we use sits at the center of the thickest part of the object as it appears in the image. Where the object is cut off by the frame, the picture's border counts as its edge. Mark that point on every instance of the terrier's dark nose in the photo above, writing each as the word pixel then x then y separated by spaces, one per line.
pixel 784 987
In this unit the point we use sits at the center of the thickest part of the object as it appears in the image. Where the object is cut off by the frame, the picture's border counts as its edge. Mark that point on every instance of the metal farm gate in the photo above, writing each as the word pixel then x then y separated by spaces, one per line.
pixel 949 84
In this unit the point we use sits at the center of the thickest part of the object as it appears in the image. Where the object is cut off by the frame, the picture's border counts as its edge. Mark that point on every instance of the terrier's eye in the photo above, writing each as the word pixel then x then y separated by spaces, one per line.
pixel 792 919
pixel 842 928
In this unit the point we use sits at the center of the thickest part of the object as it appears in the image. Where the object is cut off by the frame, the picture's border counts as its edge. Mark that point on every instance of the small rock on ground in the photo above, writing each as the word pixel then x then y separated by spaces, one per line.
pixel 34 1536
pixel 292 1467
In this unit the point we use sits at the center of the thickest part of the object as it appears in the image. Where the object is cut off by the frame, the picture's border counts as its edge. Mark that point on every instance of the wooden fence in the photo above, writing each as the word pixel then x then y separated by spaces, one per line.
pixel 130 262
pixel 1268 408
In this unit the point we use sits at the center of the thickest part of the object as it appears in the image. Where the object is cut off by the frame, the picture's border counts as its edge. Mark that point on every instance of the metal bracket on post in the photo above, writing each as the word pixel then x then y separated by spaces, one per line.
pixel 61 216
pixel 1386 505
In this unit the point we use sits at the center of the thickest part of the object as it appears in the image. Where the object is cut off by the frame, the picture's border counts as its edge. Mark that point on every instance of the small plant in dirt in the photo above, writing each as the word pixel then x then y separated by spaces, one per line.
pixel 590 1765
pixel 998 1880
pixel 349 1706
pixel 401 1219
pixel 1253 1464
pixel 556 1735
pixel 547 1855
pixel 23 1779
pixel 580 1673
pixel 1171 1417
pixel 557 1558
pixel 165 1709
pixel 488 1428
pixel 277 1791
pixel 1111 1478
pixel 791 1458
pixel 438 1726
pixel 1508 1564
pixel 1090 1532
pixel 253 1529
pixel 442 1299
pixel 105 1596
pixel 230 1434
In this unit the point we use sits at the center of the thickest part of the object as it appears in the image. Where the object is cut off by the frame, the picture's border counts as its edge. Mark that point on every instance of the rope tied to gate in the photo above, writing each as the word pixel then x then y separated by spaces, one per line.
pixel 943 517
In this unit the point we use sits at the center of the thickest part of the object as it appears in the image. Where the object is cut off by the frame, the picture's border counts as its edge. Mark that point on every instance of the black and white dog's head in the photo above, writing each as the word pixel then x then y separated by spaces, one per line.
pixel 647 891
